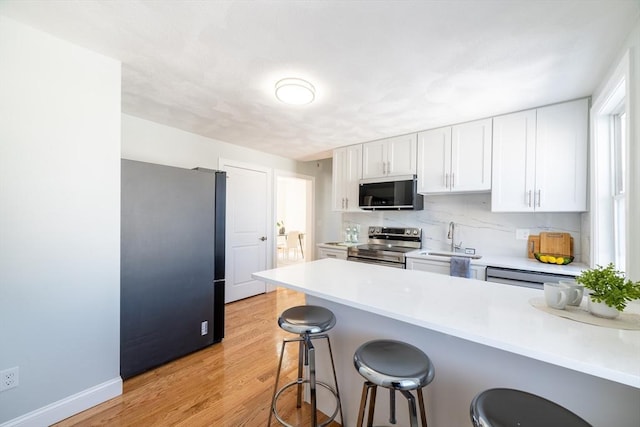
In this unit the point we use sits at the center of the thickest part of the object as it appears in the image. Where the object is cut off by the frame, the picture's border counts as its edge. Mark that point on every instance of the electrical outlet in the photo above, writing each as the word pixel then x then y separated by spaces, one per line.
pixel 9 378
pixel 522 233
pixel 204 327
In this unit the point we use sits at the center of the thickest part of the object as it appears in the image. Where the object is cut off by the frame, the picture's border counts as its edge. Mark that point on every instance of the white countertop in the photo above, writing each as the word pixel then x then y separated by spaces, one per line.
pixel 515 262
pixel 492 314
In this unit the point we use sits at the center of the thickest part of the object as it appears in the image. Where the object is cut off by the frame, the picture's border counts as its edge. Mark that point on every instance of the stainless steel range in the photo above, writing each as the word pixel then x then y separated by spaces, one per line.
pixel 387 246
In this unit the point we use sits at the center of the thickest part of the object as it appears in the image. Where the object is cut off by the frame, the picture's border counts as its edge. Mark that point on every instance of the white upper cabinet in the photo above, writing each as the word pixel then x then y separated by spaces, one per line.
pixel 540 159
pixel 455 158
pixel 514 142
pixel 347 172
pixel 389 157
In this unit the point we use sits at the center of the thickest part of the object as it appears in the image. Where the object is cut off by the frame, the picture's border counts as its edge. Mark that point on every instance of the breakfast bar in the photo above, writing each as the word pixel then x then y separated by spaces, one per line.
pixel 478 334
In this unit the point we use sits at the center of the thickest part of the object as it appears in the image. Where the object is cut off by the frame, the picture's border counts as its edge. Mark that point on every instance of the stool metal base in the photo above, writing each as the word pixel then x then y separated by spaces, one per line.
pixel 300 382
pixel 307 356
pixel 371 399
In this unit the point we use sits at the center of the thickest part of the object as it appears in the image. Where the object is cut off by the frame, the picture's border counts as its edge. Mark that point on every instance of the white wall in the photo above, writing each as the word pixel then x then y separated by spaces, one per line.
pixel 632 47
pixel 147 141
pixel 59 225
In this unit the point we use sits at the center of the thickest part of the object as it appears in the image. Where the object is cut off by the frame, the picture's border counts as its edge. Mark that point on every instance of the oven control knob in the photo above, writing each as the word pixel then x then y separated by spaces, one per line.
pixel 415 231
pixel 407 232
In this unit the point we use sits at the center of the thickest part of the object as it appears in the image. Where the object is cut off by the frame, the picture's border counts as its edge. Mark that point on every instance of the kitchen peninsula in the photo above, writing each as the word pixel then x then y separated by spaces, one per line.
pixel 478 334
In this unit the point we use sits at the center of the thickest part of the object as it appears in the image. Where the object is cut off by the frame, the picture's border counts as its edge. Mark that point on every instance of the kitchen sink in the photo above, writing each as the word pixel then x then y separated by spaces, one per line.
pixel 450 254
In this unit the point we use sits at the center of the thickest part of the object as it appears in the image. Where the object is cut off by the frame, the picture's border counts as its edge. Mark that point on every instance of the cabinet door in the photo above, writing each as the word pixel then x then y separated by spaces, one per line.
pixel 338 179
pixel 332 253
pixel 471 156
pixel 347 171
pixel 401 155
pixel 561 157
pixel 374 159
pixel 352 176
pixel 478 272
pixel 440 267
pixel 434 160
pixel 514 137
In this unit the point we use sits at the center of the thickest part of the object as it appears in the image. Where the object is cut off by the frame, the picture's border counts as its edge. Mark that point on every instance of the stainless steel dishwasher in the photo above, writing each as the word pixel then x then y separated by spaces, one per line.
pixel 526 278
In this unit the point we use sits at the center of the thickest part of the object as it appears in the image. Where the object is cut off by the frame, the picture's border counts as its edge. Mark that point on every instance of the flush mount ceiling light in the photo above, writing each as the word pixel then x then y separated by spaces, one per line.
pixel 295 91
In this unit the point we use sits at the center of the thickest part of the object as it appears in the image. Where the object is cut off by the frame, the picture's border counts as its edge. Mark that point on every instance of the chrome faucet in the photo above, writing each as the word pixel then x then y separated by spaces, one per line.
pixel 451 235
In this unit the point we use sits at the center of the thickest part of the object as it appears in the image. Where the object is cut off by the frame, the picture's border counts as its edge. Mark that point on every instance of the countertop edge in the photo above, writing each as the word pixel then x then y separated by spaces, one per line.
pixel 629 379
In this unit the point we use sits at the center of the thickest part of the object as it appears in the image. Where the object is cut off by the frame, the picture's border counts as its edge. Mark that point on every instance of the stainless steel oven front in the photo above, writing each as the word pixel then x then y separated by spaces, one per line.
pixel 386 246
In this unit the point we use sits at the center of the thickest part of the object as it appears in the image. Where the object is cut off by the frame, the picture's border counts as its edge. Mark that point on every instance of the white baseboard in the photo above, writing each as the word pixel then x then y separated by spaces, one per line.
pixel 68 406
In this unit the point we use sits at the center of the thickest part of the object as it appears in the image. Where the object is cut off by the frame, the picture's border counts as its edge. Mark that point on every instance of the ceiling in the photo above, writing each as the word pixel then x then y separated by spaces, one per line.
pixel 380 68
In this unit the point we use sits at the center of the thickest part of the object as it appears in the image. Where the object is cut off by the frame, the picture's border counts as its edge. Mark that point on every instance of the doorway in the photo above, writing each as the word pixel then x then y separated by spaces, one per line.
pixel 248 202
pixel 294 219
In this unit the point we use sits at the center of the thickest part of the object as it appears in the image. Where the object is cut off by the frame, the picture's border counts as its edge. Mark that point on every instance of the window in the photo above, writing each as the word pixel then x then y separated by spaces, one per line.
pixel 609 172
pixel 618 173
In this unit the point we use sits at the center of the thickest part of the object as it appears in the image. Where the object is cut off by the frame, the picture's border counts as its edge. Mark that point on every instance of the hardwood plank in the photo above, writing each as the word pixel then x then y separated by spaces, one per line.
pixel 227 384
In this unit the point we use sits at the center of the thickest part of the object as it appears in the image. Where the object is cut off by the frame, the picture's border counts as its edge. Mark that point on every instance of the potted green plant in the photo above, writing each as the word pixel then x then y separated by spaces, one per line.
pixel 609 290
pixel 280 225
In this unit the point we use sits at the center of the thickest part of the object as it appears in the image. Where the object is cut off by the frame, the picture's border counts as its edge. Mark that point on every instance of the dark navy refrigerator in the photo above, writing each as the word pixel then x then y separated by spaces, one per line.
pixel 172 263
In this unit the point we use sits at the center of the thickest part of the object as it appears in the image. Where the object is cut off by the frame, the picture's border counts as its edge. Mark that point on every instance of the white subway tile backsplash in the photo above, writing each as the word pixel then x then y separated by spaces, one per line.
pixel 475 225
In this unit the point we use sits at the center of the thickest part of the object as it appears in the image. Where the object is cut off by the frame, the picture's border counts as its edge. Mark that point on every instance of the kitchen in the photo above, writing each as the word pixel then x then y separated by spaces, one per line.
pixel 92 313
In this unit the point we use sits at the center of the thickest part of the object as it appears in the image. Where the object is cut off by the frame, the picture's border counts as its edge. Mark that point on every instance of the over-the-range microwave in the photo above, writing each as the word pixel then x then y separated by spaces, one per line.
pixel 393 193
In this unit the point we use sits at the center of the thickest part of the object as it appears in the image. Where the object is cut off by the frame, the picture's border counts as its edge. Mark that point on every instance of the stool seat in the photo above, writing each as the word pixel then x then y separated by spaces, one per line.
pixel 393 364
pixel 307 319
pixel 396 366
pixel 507 407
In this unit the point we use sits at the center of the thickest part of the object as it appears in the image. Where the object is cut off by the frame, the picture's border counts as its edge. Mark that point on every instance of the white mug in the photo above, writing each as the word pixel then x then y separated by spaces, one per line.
pixel 575 292
pixel 556 295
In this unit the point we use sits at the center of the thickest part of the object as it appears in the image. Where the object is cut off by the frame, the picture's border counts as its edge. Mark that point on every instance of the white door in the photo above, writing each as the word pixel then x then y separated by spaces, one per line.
pixel 247 216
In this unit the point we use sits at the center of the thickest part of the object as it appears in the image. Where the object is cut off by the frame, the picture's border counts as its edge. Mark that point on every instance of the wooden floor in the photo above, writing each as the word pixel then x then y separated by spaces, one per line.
pixel 227 384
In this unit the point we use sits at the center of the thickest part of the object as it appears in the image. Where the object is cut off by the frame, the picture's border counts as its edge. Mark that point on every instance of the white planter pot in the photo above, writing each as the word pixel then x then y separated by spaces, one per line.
pixel 601 309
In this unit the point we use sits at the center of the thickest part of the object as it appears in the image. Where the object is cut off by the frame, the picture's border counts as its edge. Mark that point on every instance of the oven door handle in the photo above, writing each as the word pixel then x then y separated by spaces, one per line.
pixel 377 262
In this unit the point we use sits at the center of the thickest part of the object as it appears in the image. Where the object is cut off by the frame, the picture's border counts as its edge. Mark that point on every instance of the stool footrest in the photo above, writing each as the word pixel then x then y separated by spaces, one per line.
pixel 305 381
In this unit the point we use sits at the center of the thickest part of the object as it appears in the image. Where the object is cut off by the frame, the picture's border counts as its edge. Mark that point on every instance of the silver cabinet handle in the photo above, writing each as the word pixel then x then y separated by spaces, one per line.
pixel 384 168
pixel 346 204
pixel 446 180
pixel 539 193
pixel 331 256
pixel 343 203
pixel 453 180
pixel 388 167
pixel 529 198
pixel 263 238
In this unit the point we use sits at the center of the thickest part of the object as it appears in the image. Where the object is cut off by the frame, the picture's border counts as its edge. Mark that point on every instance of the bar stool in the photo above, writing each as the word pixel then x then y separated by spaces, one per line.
pixel 396 366
pixel 310 322
pixel 502 406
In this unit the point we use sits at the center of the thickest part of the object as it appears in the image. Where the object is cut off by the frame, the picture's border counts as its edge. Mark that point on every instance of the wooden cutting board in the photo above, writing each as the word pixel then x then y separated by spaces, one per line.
pixel 533 245
pixel 555 243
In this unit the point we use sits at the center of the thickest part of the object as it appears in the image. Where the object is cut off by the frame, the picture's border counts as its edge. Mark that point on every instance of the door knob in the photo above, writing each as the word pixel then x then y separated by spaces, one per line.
pixel 263 238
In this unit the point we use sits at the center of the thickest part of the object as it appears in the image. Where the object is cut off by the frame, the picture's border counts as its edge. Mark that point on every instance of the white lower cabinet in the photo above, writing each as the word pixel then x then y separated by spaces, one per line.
pixel 442 267
pixel 332 253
